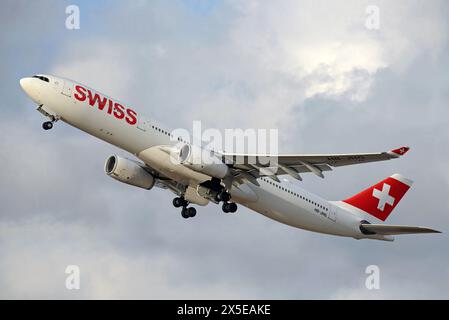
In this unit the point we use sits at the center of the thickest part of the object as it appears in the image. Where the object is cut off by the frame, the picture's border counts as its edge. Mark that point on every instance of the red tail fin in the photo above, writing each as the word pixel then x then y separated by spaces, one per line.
pixel 380 199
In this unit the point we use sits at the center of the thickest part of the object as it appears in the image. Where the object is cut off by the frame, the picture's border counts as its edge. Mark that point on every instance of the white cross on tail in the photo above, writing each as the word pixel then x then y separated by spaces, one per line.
pixel 383 196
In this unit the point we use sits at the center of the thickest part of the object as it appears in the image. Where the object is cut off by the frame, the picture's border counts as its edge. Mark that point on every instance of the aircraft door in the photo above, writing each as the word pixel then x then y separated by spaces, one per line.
pixel 67 89
pixel 332 215
pixel 143 124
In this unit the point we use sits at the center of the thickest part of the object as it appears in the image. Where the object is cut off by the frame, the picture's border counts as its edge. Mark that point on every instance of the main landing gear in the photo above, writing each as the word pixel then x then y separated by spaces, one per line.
pixel 47 125
pixel 190 212
pixel 186 212
pixel 227 206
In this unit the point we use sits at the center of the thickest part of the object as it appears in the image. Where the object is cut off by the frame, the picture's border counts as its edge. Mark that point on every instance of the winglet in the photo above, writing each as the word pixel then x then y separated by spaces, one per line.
pixel 399 151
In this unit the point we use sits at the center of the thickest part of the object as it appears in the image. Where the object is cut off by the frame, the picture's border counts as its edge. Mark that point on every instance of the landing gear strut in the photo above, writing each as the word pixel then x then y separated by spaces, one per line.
pixel 186 212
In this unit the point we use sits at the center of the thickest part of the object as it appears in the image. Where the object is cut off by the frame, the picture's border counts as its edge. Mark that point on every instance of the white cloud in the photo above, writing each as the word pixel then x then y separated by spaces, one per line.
pixel 326 42
pixel 271 59
pixel 104 65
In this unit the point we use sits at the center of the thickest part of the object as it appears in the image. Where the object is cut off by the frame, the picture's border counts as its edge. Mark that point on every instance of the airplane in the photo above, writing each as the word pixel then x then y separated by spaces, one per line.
pixel 224 181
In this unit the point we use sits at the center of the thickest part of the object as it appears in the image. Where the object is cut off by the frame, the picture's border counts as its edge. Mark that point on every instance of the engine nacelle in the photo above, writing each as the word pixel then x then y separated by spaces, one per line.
pixel 203 161
pixel 129 172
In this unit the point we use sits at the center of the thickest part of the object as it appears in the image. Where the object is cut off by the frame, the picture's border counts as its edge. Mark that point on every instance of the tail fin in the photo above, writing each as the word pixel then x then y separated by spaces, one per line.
pixel 380 199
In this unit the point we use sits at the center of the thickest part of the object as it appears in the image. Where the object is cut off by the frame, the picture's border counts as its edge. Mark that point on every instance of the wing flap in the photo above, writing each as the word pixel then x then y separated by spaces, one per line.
pixel 395 229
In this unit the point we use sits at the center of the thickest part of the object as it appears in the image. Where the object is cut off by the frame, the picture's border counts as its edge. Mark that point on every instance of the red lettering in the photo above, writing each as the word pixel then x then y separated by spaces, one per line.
pixel 81 93
pixel 97 99
pixel 111 105
pixel 131 117
pixel 115 108
pixel 119 111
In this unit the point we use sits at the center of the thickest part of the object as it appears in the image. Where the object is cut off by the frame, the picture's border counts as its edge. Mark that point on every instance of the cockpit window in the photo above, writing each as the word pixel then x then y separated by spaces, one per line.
pixel 41 78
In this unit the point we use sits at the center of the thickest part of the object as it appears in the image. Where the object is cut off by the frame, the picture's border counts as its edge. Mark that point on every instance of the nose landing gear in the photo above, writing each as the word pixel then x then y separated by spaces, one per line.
pixel 47 125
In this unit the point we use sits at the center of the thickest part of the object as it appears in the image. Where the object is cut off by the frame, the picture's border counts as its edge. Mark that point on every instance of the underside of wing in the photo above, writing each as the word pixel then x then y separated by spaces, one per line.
pixel 293 165
pixel 394 230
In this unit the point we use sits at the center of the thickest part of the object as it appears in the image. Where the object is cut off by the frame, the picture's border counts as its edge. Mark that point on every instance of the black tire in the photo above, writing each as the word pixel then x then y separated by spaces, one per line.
pixel 223 196
pixel 232 207
pixel 47 125
pixel 185 213
pixel 191 212
pixel 225 207
pixel 178 202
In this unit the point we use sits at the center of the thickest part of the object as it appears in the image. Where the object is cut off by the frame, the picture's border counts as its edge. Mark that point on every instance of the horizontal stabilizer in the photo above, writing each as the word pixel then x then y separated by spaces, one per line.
pixel 392 230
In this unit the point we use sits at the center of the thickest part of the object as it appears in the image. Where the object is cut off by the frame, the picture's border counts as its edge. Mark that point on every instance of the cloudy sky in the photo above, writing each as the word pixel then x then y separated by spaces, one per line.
pixel 311 69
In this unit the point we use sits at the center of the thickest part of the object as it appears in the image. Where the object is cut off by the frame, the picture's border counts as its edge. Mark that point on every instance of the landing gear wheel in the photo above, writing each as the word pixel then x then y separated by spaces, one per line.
pixel 232 207
pixel 229 207
pixel 47 125
pixel 179 202
pixel 191 212
pixel 188 212
pixel 225 207
pixel 223 196
pixel 185 213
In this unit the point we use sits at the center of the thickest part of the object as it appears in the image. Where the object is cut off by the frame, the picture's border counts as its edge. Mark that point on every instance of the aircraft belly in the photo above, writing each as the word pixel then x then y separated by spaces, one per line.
pixel 292 214
pixel 243 194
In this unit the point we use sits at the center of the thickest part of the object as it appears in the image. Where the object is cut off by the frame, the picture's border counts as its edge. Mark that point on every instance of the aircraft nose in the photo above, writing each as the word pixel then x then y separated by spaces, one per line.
pixel 30 88
pixel 23 83
pixel 27 85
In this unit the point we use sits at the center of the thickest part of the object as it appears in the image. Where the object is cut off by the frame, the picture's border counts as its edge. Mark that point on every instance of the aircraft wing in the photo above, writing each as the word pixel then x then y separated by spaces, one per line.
pixel 258 165
pixel 394 230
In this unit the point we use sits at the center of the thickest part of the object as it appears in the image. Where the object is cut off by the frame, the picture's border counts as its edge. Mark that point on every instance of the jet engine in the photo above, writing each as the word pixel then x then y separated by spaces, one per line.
pixel 129 172
pixel 201 160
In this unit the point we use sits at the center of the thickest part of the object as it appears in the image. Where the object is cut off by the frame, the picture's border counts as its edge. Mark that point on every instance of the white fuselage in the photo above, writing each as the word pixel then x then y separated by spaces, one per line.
pixel 130 131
